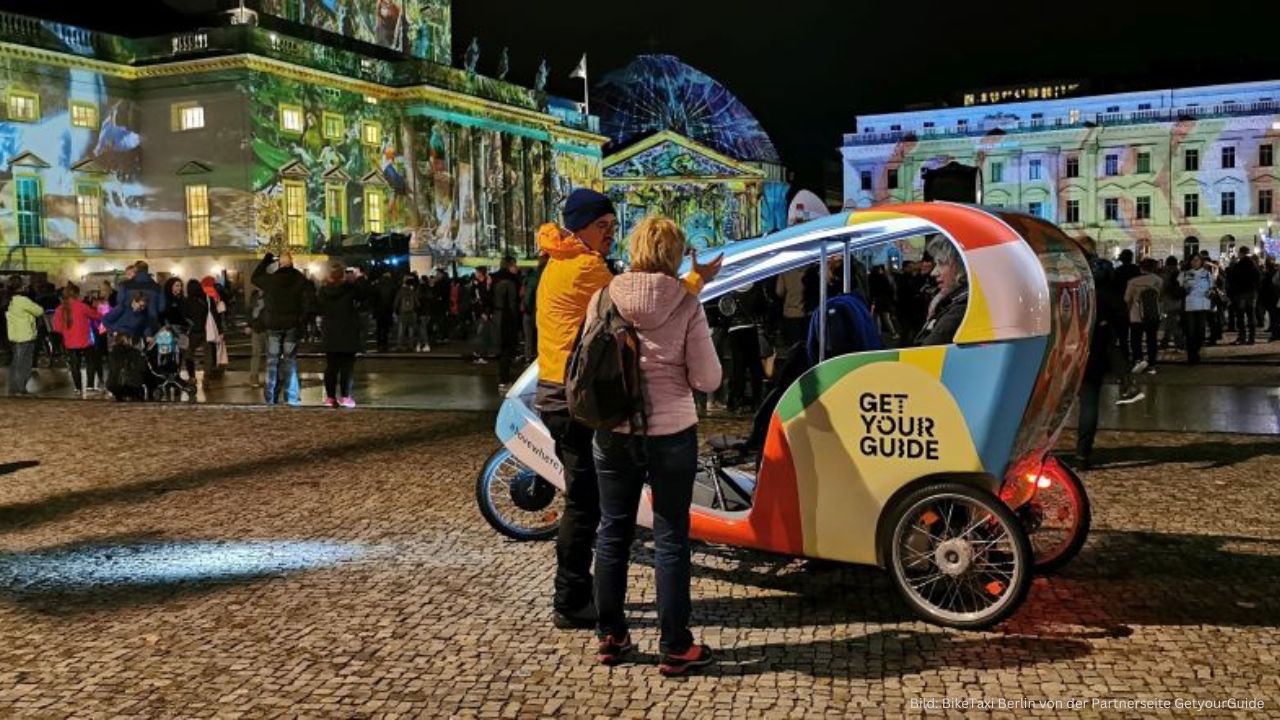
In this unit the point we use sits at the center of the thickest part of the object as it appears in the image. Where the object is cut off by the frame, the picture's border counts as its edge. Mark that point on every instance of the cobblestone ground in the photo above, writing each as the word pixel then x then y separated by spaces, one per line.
pixel 199 562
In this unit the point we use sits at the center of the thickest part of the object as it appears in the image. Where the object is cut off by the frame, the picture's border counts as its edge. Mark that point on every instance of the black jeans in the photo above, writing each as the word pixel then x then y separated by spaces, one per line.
pixel 75 359
pixel 1087 425
pixel 577 536
pixel 1137 332
pixel 1244 317
pixel 668 465
pixel 1196 321
pixel 338 369
pixel 744 346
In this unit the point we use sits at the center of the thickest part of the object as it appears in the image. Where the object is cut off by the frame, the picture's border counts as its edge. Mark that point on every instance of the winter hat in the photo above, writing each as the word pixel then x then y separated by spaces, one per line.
pixel 584 207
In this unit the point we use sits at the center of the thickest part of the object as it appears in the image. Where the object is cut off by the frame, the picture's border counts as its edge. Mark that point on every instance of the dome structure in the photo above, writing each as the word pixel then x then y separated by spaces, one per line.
pixel 659 92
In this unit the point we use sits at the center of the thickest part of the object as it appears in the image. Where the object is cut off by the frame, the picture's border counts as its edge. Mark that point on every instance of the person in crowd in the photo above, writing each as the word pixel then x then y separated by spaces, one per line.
pixel 743 325
pixel 73 320
pixel 406 304
pixel 215 324
pixel 1110 328
pixel 676 358
pixel 309 330
pixel 172 314
pixel 506 314
pixel 576 270
pixel 142 282
pixel 443 307
pixel 1142 298
pixel 98 358
pixel 1217 299
pixel 424 300
pixel 1269 298
pixel 1171 297
pixel 482 312
pixel 946 310
pixel 340 301
pixel 529 308
pixel 257 336
pixel 1197 283
pixel 197 313
pixel 1243 280
pixel 384 310
pixel 21 318
pixel 795 311
pixel 882 301
pixel 133 319
pixel 283 290
pixel 107 293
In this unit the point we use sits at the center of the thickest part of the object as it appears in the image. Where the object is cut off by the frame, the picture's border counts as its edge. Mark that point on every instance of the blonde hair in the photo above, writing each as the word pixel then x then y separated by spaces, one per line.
pixel 657 244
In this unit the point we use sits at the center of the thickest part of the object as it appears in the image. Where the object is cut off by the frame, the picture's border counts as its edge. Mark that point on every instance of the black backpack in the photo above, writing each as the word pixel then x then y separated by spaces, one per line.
pixel 1149 301
pixel 603 377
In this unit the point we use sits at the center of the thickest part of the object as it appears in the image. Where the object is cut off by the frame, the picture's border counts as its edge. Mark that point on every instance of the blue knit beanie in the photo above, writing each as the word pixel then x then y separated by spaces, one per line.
pixel 584 207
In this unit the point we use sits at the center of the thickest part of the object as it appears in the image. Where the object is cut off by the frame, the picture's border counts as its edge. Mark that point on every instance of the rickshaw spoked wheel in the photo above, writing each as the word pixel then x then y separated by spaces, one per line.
pixel 959 556
pixel 1057 519
pixel 515 500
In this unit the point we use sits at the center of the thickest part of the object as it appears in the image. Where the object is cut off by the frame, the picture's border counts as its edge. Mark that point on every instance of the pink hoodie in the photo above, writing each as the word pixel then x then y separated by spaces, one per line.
pixel 676 354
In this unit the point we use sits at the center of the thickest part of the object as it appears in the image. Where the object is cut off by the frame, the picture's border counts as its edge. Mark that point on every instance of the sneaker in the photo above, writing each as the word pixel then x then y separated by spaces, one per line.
pixel 1139 366
pixel 1130 399
pixel 347 402
pixel 426 348
pixel 479 361
pixel 611 652
pixel 330 402
pixel 584 619
pixel 295 403
pixel 1151 371
pixel 675 664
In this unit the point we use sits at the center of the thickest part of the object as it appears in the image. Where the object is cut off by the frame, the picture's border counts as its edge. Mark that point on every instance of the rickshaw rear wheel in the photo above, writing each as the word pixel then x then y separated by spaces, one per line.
pixel 1057 518
pixel 515 500
pixel 959 556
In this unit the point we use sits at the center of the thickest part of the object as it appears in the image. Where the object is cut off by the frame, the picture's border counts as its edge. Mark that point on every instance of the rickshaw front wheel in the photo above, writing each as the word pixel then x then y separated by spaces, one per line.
pixel 515 500
pixel 959 556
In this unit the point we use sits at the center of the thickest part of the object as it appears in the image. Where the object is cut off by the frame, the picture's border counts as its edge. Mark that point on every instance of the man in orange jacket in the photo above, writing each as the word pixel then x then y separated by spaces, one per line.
pixel 577 269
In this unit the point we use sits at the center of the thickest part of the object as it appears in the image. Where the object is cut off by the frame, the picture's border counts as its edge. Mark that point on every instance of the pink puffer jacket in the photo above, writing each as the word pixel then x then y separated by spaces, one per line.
pixel 676 355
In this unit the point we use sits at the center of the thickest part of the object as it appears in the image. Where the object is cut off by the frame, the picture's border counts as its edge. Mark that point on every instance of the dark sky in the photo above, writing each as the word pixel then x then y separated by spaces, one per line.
pixel 806 68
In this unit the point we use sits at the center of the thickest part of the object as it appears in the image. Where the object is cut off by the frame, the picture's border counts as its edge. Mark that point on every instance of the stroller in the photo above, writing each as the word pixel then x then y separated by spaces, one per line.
pixel 164 365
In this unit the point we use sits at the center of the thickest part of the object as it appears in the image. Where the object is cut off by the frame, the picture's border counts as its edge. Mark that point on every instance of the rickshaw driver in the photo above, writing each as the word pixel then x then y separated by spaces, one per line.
pixel 947 310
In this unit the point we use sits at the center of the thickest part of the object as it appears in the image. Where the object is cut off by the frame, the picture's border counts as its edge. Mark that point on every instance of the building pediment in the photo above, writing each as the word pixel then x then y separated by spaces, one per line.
pixel 294 169
pixel 336 174
pixel 89 166
pixel 1228 182
pixel 1190 181
pixel 671 155
pixel 28 159
pixel 194 167
pixel 373 177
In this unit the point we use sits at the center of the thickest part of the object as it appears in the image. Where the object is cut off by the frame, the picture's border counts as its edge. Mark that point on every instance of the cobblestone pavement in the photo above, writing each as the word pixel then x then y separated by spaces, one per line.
pixel 200 562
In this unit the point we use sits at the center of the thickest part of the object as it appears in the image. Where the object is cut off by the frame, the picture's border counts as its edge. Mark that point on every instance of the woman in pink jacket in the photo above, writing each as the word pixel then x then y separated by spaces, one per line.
pixel 676 358
pixel 72 320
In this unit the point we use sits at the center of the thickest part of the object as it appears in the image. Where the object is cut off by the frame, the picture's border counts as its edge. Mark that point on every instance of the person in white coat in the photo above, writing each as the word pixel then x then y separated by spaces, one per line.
pixel 1198 283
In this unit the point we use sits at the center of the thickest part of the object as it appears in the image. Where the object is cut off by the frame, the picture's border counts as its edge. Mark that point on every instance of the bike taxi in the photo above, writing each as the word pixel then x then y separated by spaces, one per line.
pixel 933 463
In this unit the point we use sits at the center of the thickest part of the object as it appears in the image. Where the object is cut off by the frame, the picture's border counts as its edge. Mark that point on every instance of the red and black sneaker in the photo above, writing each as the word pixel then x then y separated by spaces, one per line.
pixel 611 651
pixel 674 664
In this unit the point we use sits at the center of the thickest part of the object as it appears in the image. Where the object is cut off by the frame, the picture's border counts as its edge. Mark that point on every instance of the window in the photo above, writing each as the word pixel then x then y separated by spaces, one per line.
pixel 1264 202
pixel 84 115
pixel 291 119
pixel 1073 167
pixel 334 126
pixel 997 172
pixel 1191 204
pixel 1191 160
pixel 1073 211
pixel 1142 211
pixel 89 215
pixel 1228 157
pixel 1073 116
pixel 1227 204
pixel 1111 209
pixel 371 132
pixel 962 125
pixel 1266 155
pixel 295 213
pixel 187 116
pixel 865 177
pixel 1144 106
pixel 335 210
pixel 24 106
pixel 1144 163
pixel 892 179
pixel 374 207
pixel 928 125
pixel 198 215
pixel 895 128
pixel 1033 170
pixel 1113 108
pixel 30 211
pixel 1036 208
pixel 1112 165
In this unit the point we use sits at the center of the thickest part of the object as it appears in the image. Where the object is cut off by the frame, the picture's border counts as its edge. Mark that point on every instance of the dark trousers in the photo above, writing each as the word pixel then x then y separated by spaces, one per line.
pixel 1195 334
pixel 76 360
pixel 1087 425
pixel 282 367
pixel 1137 333
pixel 577 536
pixel 1244 318
pixel 1214 320
pixel 626 464
pixel 744 348
pixel 795 330
pixel 339 381
pixel 383 321
pixel 509 340
pixel 1273 322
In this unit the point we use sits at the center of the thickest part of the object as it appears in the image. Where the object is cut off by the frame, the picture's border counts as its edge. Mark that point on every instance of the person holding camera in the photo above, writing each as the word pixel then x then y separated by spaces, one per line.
pixel 284 296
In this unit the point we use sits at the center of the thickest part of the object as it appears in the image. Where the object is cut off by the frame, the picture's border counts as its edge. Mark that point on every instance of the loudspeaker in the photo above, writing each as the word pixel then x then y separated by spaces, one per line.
pixel 953 182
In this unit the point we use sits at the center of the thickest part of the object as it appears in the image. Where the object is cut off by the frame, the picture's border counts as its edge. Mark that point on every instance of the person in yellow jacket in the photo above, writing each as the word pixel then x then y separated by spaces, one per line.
pixel 577 269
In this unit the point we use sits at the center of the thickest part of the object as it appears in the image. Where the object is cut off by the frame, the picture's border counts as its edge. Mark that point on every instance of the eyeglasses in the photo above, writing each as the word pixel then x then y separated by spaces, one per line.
pixel 605 225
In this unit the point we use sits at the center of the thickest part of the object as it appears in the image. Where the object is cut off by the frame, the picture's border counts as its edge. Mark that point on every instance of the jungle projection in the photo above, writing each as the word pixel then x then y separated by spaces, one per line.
pixel 417 27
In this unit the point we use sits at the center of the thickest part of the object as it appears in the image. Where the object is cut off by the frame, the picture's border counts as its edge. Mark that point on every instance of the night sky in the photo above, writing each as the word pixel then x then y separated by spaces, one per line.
pixel 806 69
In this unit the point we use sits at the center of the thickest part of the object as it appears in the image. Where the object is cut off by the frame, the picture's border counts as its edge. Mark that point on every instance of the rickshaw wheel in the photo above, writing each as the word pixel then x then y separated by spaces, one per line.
pixel 959 556
pixel 515 500
pixel 1058 518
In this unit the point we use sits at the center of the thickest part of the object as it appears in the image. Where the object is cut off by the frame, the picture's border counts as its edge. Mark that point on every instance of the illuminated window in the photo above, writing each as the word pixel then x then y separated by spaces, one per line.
pixel 1227 204
pixel 1191 204
pixel 1264 202
pixel 1144 163
pixel 1266 155
pixel 1142 209
pixel 291 119
pixel 1191 160
pixel 1073 167
pixel 891 179
pixel 865 177
pixel 84 115
pixel 89 215
pixel 1073 116
pixel 186 116
pixel 1228 157
pixel 295 213
pixel 1073 211
pixel 997 172
pixel 30 211
pixel 198 215
pixel 24 106
pixel 334 126
pixel 374 209
pixel 371 132
pixel 335 209
pixel 1111 209
pixel 1033 170
pixel 1036 209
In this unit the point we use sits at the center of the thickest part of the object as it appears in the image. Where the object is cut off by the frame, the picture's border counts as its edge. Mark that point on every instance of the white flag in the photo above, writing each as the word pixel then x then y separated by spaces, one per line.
pixel 581 70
